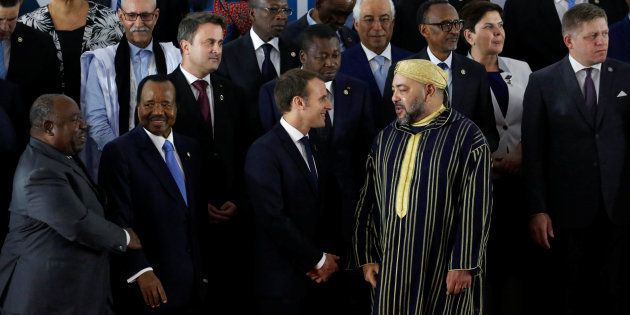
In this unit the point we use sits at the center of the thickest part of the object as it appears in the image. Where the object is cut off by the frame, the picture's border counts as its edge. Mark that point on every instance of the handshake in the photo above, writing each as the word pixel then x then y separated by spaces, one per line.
pixel 324 273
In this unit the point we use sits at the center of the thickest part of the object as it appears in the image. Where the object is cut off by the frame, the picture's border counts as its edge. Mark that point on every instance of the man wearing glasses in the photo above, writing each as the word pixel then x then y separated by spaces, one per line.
pixel 258 57
pixel 110 76
pixel 468 91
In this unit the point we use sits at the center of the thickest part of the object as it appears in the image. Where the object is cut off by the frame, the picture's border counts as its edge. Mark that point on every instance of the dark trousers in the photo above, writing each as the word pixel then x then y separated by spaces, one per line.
pixel 592 264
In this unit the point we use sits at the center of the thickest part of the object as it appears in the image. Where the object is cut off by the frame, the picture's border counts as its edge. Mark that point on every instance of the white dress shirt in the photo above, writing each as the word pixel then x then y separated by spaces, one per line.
pixel 580 74
pixel 260 53
pixel 331 98
pixel 448 62
pixel 191 79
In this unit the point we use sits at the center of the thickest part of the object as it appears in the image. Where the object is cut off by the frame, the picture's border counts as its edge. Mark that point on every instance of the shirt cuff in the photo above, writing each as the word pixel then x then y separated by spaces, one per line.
pixel 134 277
pixel 321 262
pixel 127 237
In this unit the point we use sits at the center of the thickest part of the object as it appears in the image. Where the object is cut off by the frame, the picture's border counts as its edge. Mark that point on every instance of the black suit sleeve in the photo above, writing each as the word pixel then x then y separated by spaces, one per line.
pixel 52 200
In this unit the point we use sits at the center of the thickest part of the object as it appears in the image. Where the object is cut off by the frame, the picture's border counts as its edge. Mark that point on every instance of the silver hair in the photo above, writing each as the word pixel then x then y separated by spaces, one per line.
pixel 356 11
pixel 154 2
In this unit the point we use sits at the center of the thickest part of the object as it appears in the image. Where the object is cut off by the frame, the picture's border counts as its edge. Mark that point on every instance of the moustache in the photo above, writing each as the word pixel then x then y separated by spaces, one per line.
pixel 157 118
pixel 140 29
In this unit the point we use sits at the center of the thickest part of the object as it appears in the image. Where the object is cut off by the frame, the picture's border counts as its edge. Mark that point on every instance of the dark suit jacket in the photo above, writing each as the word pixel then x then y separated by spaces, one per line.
pixel 11 145
pixel 354 63
pixel 575 164
pixel 33 64
pixel 143 195
pixel 223 152
pixel 240 66
pixel 619 40
pixel 55 257
pixel 287 215
pixel 534 32
pixel 294 30
pixel 471 94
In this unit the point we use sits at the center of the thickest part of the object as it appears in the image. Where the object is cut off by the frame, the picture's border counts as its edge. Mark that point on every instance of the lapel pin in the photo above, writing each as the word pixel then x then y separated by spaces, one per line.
pixel 508 79
pixel 610 69
pixel 188 154
pixel 345 91
pixel 463 72
pixel 20 39
pixel 293 54
pixel 221 96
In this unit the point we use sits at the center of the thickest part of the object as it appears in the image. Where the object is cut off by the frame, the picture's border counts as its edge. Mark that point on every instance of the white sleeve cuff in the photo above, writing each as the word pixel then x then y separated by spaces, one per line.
pixel 321 261
pixel 127 237
pixel 134 277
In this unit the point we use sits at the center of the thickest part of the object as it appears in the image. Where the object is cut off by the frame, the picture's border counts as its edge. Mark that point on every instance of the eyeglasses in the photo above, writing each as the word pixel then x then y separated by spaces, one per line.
pixel 447 26
pixel 275 11
pixel 384 20
pixel 132 16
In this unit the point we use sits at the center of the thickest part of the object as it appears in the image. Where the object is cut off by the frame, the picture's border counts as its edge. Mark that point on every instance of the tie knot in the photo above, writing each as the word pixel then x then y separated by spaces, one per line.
pixel 588 71
pixel 305 141
pixel 168 146
pixel 380 60
pixel 267 48
pixel 443 65
pixel 200 85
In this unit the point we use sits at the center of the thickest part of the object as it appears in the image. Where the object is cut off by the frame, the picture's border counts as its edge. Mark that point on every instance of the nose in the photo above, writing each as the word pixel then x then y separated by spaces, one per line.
pixel 327 105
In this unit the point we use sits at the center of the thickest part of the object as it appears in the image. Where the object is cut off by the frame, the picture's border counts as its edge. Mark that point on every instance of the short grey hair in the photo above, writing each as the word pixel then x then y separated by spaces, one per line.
pixel 42 110
pixel 356 11
pixel 579 14
pixel 154 2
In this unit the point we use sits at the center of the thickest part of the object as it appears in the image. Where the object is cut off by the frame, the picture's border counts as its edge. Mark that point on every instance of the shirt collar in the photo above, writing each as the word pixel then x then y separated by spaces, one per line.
pixel 259 42
pixel 135 49
pixel 310 19
pixel 158 141
pixel 191 78
pixel 436 60
pixel 578 66
pixel 294 134
pixel 387 53
pixel 329 87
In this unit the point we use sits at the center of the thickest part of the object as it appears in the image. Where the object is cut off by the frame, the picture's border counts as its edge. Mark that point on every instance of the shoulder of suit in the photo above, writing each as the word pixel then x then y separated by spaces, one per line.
pixel 516 66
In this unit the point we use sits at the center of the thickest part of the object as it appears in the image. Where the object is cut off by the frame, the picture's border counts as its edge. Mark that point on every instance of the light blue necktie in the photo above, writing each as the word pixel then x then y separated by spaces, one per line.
pixel 570 4
pixel 176 172
pixel 3 69
pixel 379 74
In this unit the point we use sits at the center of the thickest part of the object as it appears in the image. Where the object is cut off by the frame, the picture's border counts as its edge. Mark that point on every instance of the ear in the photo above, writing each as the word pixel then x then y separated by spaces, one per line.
pixel 302 56
pixel 184 45
pixel 120 14
pixel 430 91
pixel 355 23
pixel 469 36
pixel 424 30
pixel 157 14
pixel 48 127
pixel 568 41
pixel 318 4
pixel 298 102
pixel 252 16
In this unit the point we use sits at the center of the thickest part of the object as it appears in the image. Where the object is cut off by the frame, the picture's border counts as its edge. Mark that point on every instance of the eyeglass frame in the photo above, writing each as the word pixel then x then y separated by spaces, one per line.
pixel 448 24
pixel 384 21
pixel 288 11
pixel 138 15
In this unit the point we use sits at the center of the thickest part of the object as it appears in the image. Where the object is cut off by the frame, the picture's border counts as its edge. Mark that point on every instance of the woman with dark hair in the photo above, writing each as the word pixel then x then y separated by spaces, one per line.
pixel 483 30
pixel 76 26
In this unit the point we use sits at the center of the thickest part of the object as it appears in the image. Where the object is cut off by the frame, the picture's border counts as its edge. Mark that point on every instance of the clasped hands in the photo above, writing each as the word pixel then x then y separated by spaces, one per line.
pixel 223 214
pixel 324 273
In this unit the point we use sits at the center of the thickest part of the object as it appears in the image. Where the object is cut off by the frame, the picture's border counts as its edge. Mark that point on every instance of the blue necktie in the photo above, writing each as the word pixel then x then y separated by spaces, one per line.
pixel 268 70
pixel 379 74
pixel 570 4
pixel 309 157
pixel 176 172
pixel 3 69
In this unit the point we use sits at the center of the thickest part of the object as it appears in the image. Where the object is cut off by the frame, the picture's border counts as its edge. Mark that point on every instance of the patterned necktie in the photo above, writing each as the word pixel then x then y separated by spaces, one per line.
pixel 379 74
pixel 3 69
pixel 590 95
pixel 309 157
pixel 173 167
pixel 268 70
pixel 202 99
pixel 570 4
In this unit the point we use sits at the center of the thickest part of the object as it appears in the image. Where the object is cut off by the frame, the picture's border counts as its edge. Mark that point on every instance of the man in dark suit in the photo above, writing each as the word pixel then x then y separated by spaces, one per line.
pixel 259 57
pixel 329 12
pixel 210 115
pixel 32 63
pixel 468 88
pixel 576 166
pixel 282 176
pixel 620 39
pixel 533 29
pixel 152 179
pixel 370 61
pixel 10 147
pixel 55 257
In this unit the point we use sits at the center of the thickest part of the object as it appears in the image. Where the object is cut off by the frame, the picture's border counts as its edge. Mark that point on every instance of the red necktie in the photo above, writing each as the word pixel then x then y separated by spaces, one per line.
pixel 202 100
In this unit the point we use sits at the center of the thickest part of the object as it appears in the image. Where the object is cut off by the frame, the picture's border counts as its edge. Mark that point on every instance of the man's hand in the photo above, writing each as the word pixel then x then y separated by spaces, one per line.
pixel 370 272
pixel 324 273
pixel 134 241
pixel 457 281
pixel 224 214
pixel 151 288
pixel 541 229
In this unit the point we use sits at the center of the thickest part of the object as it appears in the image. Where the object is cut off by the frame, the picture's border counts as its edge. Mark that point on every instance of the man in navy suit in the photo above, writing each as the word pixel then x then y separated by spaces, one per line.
pixel 370 61
pixel 259 57
pixel 283 176
pixel 577 168
pixel 468 87
pixel 330 12
pixel 152 179
pixel 619 35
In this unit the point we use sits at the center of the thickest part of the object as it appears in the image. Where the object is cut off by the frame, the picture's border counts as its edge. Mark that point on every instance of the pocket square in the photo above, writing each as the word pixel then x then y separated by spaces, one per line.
pixel 622 94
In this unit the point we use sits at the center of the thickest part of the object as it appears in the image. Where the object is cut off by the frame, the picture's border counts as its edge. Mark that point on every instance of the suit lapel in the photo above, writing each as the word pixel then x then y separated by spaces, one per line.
pixel 572 87
pixel 292 150
pixel 288 56
pixel 459 75
pixel 606 78
pixel 183 151
pixel 221 113
pixel 363 67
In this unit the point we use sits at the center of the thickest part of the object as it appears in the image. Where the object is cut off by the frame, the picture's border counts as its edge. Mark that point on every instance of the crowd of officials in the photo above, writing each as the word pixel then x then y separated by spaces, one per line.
pixel 369 157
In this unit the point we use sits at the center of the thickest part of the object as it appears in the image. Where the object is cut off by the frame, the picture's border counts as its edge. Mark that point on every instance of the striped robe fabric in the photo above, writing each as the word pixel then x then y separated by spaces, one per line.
pixel 447 217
